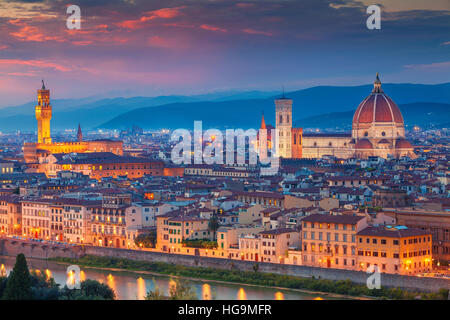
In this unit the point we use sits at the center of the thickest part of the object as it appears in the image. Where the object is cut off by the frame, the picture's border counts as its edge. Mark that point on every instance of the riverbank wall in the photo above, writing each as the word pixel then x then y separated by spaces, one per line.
pixel 41 251
pixel 11 247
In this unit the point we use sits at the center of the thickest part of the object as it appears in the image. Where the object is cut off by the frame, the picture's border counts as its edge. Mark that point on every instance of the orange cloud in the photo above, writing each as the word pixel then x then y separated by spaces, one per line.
pixel 212 28
pixel 164 13
pixel 253 31
pixel 35 63
pixel 31 33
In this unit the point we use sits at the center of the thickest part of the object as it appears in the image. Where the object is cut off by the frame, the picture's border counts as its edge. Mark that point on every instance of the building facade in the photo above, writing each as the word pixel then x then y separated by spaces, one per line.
pixel 44 144
pixel 377 130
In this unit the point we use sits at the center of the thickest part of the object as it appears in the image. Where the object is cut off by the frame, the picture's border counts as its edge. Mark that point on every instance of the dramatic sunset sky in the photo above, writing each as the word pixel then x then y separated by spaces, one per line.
pixel 149 47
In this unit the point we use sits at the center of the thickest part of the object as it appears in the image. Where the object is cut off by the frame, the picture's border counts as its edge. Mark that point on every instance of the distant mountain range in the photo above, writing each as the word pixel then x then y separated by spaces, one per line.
pixel 306 103
pixel 317 107
pixel 92 112
pixel 422 114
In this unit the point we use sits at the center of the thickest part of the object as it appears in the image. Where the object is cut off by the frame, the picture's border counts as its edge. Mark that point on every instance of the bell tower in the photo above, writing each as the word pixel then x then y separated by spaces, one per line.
pixel 283 113
pixel 43 115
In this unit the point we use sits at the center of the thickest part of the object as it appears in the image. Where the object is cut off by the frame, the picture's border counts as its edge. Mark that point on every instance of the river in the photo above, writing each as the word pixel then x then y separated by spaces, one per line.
pixel 131 285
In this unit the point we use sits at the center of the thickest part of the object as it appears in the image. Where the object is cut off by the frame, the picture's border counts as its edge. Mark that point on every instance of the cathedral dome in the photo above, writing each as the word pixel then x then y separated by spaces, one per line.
pixel 403 144
pixel 377 108
pixel 364 144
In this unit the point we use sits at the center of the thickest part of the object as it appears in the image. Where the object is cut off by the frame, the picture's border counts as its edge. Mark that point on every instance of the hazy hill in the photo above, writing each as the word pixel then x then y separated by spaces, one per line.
pixel 247 113
pixel 421 114
pixel 89 112
pixel 222 109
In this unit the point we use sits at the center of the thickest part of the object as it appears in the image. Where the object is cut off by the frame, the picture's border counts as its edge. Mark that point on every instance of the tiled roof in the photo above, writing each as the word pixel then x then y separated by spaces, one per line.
pixel 393 232
pixel 327 218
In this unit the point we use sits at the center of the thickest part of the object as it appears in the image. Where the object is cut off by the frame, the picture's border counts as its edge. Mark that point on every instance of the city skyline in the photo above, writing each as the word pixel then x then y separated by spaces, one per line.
pixel 129 48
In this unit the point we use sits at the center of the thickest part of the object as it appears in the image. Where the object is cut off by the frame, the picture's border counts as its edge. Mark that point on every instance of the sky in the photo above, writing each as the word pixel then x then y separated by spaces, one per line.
pixel 151 48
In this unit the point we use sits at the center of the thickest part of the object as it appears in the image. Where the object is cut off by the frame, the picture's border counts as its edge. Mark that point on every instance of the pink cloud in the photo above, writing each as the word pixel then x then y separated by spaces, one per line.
pixel 245 5
pixel 35 63
pixel 253 31
pixel 31 33
pixel 164 13
pixel 212 28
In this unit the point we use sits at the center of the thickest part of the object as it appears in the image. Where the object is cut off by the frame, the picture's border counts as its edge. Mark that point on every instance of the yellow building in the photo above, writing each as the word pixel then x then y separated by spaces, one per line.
pixel 395 249
pixel 44 145
pixel 329 241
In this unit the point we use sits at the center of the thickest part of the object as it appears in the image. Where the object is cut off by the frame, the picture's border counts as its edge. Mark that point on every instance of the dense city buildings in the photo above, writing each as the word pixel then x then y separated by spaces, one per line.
pixel 339 201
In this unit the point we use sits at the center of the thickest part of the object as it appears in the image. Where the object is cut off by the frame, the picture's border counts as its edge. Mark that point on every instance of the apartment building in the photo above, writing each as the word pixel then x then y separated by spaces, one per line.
pixel 329 241
pixel 36 217
pixel 395 249
pixel 10 215
pixel 276 243
pixel 108 221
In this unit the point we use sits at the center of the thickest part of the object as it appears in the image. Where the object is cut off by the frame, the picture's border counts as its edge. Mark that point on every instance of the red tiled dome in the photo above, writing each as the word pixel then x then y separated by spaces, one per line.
pixel 377 107
pixel 402 144
pixel 364 144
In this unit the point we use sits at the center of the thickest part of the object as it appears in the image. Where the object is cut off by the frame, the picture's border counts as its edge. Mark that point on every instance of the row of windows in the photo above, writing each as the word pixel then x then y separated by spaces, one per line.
pixel 328 249
pixel 336 226
pixel 396 242
pixel 337 238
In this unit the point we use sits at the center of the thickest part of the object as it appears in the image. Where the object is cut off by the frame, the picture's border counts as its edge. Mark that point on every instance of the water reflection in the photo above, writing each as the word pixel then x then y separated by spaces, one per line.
pixel 70 281
pixel 241 294
pixel 130 286
pixel 206 292
pixel 279 295
pixel 141 289
pixel 48 274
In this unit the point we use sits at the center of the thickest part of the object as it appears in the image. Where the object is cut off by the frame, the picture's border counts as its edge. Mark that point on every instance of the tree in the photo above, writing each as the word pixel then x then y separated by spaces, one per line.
pixel 155 294
pixel 213 224
pixel 44 288
pixel 2 285
pixel 18 285
pixel 148 240
pixel 89 290
pixel 181 290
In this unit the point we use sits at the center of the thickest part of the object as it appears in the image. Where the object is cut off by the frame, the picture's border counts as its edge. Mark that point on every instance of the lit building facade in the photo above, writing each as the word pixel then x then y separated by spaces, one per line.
pixel 395 249
pixel 377 130
pixel 43 111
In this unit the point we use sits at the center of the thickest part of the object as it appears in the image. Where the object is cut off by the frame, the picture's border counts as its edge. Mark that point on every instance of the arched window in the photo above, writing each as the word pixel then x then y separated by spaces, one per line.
pixel 330 144
pixel 281 119
pixel 315 144
pixel 366 134
pixel 383 133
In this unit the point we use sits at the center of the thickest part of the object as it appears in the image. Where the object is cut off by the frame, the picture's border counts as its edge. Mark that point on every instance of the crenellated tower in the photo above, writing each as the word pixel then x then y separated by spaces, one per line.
pixel 44 115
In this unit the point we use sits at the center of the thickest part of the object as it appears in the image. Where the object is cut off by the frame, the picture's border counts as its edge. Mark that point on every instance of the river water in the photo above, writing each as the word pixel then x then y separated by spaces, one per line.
pixel 132 285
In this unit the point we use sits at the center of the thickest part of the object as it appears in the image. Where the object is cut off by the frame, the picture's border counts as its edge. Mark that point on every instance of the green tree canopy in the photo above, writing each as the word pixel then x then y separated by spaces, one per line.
pixel 213 224
pixel 148 240
pixel 18 285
